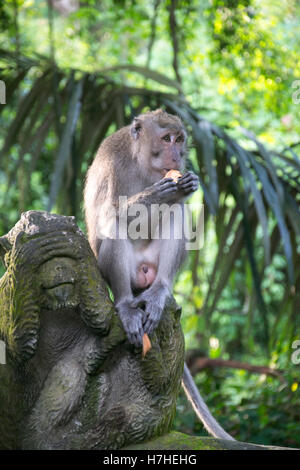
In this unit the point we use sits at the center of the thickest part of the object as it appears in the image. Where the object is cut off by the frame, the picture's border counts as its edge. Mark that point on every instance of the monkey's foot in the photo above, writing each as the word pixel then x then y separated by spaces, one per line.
pixel 132 320
pixel 152 301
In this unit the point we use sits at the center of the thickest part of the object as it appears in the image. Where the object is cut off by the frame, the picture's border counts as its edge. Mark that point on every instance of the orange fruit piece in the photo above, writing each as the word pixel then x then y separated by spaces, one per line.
pixel 174 174
pixel 146 344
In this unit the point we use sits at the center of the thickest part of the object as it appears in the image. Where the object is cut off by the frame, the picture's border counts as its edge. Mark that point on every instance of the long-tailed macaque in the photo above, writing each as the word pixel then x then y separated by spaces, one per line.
pixel 133 162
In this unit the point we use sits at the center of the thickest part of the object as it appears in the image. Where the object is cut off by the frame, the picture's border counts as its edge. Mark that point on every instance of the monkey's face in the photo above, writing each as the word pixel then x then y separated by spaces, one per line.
pixel 58 279
pixel 167 150
pixel 160 144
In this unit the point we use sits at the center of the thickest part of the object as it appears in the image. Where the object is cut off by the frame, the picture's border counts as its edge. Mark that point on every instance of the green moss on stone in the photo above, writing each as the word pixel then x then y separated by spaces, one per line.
pixel 179 441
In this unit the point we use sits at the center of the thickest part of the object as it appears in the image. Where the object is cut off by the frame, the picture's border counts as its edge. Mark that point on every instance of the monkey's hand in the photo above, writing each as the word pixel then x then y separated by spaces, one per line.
pixel 152 301
pixel 188 183
pixel 165 189
pixel 132 321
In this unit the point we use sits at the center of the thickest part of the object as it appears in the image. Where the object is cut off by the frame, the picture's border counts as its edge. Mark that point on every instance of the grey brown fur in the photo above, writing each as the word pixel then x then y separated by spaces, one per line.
pixel 132 162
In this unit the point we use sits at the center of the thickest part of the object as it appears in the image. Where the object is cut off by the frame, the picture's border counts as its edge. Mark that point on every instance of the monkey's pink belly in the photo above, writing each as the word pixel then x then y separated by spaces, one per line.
pixel 146 274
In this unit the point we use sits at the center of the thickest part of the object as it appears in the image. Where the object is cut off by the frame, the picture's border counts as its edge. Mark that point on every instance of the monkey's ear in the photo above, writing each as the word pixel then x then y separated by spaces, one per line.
pixel 136 128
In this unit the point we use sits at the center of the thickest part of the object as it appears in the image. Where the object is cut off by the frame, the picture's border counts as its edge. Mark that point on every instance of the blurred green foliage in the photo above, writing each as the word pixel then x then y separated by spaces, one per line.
pixel 252 408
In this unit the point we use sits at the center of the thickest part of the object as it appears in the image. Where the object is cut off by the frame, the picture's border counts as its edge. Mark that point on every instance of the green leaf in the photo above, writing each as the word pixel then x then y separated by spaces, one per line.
pixel 147 73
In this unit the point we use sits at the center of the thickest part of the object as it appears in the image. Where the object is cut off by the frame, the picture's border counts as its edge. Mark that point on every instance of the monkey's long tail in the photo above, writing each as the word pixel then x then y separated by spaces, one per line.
pixel 200 407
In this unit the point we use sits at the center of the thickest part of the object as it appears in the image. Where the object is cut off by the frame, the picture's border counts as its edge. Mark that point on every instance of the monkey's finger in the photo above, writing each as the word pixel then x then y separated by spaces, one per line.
pixel 139 339
pixel 165 180
pixel 186 175
pixel 132 333
pixel 145 319
pixel 189 183
pixel 136 337
pixel 164 187
pixel 189 191
pixel 190 187
pixel 133 326
pixel 190 179
pixel 173 189
pixel 133 339
pixel 150 323
pixel 150 326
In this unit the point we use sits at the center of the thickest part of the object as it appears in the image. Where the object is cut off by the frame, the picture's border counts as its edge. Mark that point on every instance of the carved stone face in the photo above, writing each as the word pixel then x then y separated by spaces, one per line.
pixel 58 281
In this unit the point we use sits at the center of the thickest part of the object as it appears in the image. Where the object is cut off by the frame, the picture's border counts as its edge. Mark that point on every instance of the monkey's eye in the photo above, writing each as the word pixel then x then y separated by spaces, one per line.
pixel 167 138
pixel 179 139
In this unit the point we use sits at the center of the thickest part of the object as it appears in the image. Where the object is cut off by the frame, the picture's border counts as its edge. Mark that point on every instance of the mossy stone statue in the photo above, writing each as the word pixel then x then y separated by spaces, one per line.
pixel 72 380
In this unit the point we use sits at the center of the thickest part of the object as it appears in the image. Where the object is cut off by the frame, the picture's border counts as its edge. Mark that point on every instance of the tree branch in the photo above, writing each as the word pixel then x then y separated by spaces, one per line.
pixel 153 31
pixel 199 363
pixel 173 32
